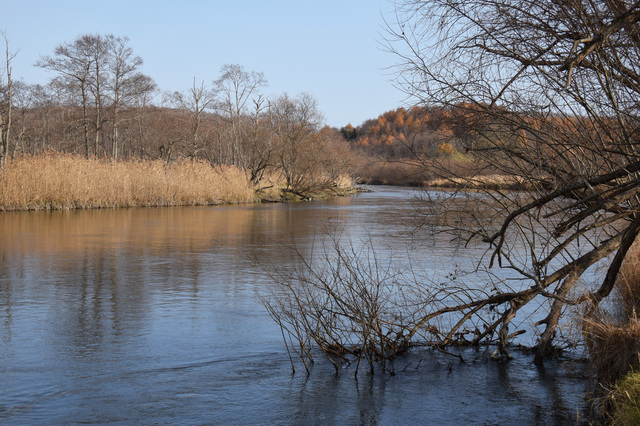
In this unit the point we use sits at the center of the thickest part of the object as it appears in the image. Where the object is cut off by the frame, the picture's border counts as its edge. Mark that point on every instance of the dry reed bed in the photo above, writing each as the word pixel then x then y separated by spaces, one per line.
pixel 614 335
pixel 613 340
pixel 61 181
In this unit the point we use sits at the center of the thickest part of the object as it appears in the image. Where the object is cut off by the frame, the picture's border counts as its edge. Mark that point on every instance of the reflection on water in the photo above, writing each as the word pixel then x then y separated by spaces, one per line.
pixel 153 316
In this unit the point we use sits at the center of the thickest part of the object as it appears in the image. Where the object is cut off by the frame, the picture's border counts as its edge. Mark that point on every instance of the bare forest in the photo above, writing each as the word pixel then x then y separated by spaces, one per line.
pixel 98 104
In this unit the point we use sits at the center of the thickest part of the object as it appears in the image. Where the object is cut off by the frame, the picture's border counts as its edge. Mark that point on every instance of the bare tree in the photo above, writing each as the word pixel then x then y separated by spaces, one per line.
pixel 74 62
pixel 22 99
pixel 125 83
pixel 294 121
pixel 256 145
pixel 552 88
pixel 235 89
pixel 98 46
pixel 6 105
pixel 195 103
pixel 98 72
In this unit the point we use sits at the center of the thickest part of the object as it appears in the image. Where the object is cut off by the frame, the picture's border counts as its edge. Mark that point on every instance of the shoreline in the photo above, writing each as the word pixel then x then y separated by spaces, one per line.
pixel 70 182
pixel 285 197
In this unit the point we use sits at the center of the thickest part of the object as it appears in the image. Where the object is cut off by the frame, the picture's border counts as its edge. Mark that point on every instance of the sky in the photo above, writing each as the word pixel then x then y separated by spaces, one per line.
pixel 329 49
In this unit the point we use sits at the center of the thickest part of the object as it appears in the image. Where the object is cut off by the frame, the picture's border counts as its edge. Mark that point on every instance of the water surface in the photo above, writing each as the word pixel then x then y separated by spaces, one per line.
pixel 153 316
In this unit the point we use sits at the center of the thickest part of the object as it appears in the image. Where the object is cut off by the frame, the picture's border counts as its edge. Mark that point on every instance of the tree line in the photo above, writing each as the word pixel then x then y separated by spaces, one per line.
pixel 396 134
pixel 98 103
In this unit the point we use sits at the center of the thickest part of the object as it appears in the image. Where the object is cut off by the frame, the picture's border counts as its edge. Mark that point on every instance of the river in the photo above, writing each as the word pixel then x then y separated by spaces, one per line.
pixel 153 316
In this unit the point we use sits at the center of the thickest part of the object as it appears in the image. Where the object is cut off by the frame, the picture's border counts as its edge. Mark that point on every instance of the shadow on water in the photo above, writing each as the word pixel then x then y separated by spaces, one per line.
pixel 153 316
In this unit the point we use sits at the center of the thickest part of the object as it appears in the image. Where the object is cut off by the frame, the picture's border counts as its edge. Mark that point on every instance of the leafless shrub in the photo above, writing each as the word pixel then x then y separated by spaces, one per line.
pixel 357 303
pixel 348 302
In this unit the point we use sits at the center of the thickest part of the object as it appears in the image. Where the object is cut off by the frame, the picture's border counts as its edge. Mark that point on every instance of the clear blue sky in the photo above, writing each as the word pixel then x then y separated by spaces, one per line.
pixel 330 49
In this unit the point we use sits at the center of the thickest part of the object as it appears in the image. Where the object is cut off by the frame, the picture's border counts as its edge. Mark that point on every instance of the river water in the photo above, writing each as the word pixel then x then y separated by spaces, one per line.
pixel 153 316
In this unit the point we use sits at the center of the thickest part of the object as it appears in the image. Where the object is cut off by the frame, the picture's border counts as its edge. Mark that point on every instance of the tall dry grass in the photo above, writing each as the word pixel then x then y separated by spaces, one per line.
pixel 63 181
pixel 613 337
pixel 614 349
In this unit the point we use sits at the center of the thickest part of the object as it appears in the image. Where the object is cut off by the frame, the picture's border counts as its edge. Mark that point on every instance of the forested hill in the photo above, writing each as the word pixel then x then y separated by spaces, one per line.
pixel 401 133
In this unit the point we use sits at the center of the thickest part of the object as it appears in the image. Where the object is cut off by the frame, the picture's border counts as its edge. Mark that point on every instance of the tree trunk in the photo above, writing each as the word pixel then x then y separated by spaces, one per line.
pixel 3 148
pixel 85 122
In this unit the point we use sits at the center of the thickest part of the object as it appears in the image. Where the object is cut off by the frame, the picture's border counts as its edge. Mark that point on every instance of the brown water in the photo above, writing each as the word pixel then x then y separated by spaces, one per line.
pixel 153 316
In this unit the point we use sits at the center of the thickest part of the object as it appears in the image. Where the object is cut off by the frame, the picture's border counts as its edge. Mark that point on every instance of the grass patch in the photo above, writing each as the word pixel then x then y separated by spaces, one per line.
pixel 624 401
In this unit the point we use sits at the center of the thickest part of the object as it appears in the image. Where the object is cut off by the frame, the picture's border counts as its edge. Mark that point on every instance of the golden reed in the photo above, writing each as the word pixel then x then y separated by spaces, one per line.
pixel 64 181
pixel 613 335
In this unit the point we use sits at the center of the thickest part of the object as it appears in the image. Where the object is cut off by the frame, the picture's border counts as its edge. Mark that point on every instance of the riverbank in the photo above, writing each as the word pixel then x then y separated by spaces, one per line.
pixel 488 182
pixel 66 182
pixel 449 173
